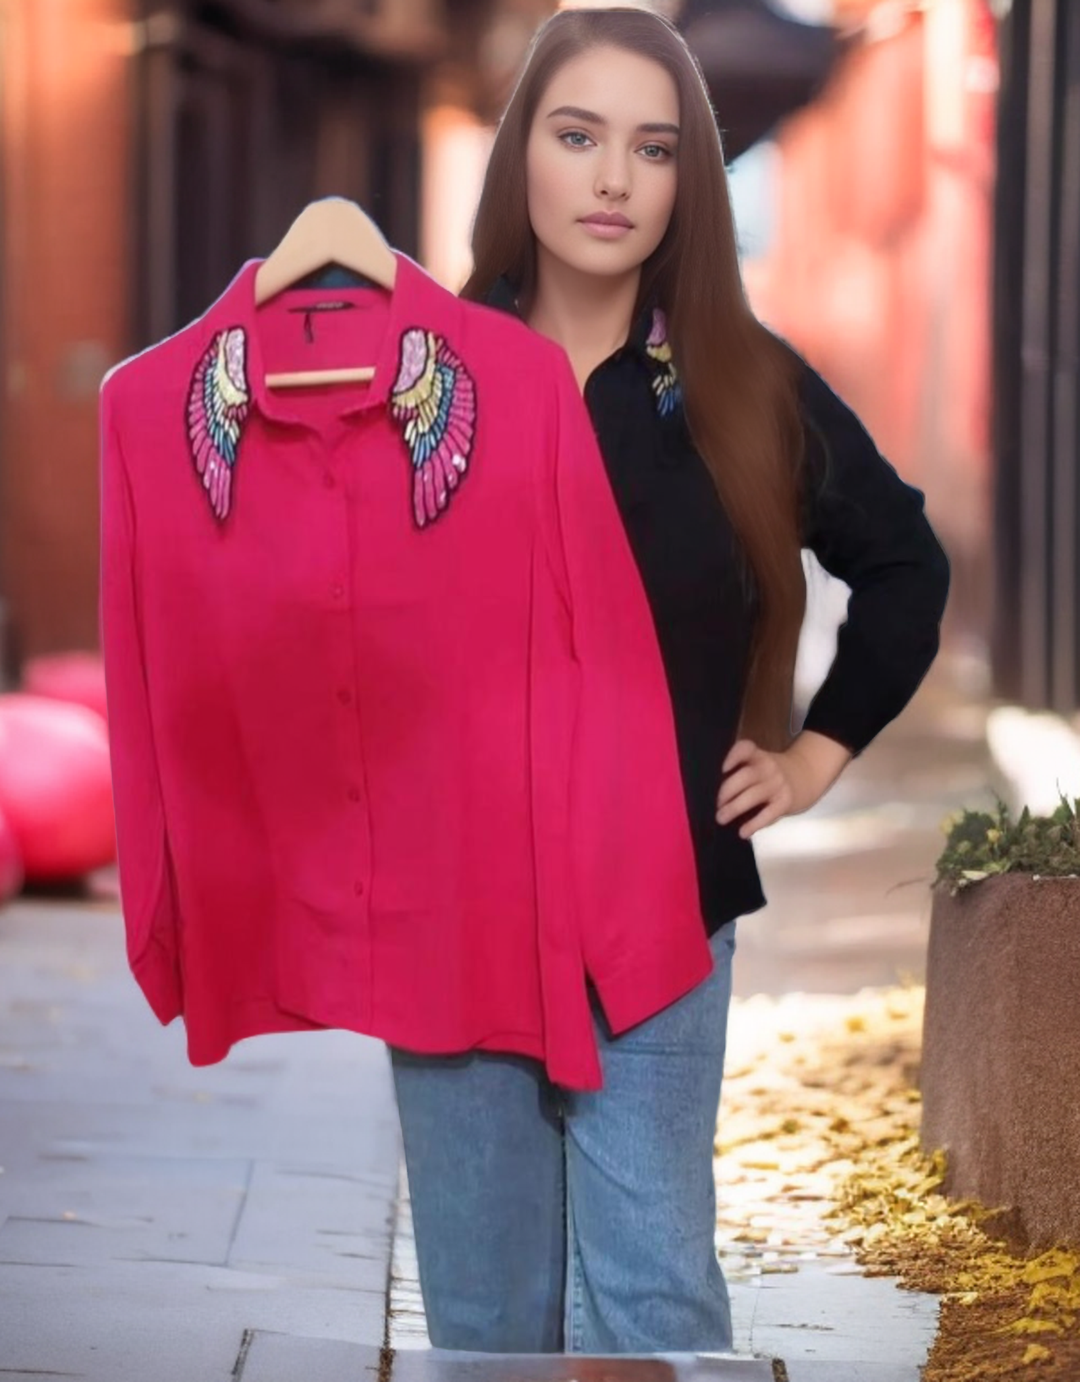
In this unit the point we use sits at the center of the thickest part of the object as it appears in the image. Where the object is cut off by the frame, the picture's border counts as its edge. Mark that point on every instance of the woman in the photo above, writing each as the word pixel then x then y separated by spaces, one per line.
pixel 586 1222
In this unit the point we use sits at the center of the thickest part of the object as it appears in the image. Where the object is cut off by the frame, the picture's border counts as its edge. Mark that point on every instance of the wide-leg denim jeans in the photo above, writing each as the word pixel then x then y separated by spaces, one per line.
pixel 551 1221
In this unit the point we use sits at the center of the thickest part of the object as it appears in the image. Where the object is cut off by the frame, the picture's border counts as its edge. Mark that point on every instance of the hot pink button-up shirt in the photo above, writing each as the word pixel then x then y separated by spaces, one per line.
pixel 392 745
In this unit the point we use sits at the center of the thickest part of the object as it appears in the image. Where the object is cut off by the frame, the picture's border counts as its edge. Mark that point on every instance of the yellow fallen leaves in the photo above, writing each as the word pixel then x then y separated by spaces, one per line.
pixel 1052 1266
pixel 1029 1326
pixel 818 1155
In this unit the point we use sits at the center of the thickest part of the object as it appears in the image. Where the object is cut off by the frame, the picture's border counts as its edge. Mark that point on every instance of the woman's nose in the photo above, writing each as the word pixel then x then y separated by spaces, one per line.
pixel 613 178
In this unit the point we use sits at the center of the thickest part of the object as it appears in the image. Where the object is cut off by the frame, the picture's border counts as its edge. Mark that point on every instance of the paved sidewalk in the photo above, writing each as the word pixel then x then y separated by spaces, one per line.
pixel 169 1223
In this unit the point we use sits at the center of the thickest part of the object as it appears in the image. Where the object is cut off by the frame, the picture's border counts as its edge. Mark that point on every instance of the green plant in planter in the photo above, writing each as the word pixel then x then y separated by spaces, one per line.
pixel 980 844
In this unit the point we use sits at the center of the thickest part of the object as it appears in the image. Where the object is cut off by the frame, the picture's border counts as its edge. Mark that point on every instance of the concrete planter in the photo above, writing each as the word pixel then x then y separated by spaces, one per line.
pixel 1001 1050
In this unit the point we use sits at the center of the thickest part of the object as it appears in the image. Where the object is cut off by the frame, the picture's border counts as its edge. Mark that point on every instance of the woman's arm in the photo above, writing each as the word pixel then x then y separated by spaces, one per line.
pixel 866 526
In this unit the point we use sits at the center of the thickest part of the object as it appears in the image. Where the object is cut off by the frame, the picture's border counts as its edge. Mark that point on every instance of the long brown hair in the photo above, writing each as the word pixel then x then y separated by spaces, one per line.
pixel 739 382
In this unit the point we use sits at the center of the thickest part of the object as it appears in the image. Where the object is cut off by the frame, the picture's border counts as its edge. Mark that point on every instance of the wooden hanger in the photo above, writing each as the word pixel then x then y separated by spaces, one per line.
pixel 330 231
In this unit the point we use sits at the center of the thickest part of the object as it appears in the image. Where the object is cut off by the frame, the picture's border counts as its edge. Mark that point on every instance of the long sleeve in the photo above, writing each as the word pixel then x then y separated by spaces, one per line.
pixel 146 880
pixel 867 526
pixel 632 861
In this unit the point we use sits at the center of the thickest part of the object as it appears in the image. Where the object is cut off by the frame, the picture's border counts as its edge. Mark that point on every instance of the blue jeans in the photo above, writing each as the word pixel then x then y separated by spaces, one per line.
pixel 550 1221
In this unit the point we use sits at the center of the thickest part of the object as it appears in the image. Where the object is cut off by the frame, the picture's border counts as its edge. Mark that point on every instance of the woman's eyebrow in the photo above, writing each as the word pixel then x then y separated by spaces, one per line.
pixel 590 117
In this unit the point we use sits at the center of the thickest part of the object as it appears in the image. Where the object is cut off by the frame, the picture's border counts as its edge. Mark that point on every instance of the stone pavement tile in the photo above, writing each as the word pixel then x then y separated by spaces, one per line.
pixel 57 1321
pixel 286 1358
pixel 437 1365
pixel 162 1129
pixel 844 1317
pixel 312 1222
pixel 743 1296
pixel 804 1370
pixel 335 1075
pixel 169 1322
pixel 338 1069
pixel 21 1376
pixel 112 1147
pixel 85 1067
pixel 171 1208
pixel 39 1242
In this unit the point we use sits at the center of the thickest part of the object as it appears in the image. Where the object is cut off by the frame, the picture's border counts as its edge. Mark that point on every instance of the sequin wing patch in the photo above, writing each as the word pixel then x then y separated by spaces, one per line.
pixel 434 401
pixel 218 403
pixel 665 382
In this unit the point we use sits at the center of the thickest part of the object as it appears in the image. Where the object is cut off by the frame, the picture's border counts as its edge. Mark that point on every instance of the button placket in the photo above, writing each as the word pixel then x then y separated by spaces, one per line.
pixel 341 681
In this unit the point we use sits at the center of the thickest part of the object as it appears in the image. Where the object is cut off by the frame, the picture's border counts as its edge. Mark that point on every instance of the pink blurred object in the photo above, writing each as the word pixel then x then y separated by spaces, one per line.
pixel 11 869
pixel 56 786
pixel 75 677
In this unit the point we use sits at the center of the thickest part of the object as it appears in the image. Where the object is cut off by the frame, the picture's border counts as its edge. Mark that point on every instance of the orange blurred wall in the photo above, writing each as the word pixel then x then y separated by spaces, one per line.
pixel 880 267
pixel 64 161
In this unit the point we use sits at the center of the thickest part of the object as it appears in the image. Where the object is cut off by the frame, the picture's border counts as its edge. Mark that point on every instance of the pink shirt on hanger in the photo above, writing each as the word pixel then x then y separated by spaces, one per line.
pixel 392 744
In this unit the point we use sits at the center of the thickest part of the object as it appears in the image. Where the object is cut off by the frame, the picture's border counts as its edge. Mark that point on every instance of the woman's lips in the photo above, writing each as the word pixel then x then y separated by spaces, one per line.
pixel 607 227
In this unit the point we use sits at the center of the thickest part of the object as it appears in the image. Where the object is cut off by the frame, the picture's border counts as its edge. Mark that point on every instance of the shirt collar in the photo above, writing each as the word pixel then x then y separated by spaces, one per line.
pixel 236 307
pixel 503 296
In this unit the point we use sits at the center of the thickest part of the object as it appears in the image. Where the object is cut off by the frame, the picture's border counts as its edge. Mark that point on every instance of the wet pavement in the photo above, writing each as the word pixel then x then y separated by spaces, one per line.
pixel 238 1223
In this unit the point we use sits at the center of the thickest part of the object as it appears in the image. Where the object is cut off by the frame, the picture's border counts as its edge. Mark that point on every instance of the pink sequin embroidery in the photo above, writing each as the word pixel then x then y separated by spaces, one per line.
pixel 434 401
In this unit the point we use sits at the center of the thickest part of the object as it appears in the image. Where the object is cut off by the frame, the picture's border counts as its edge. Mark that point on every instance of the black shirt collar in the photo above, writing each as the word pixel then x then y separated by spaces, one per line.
pixel 503 296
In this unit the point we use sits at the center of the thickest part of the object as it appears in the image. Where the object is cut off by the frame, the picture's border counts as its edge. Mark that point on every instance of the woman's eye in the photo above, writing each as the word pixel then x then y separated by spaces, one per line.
pixel 577 139
pixel 656 152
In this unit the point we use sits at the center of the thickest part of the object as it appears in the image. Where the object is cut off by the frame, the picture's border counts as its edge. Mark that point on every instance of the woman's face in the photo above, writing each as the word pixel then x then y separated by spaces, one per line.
pixel 601 161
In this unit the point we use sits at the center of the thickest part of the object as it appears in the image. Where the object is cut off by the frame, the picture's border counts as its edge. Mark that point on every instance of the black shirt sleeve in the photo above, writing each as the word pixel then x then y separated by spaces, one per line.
pixel 867 526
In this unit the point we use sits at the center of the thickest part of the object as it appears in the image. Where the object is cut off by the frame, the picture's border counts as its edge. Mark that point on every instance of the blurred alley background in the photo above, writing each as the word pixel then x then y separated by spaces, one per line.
pixel 906 182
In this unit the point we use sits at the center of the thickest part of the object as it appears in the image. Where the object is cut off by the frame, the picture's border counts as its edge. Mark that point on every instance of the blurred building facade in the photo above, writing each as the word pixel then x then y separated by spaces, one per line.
pixel 65 250
pixel 878 266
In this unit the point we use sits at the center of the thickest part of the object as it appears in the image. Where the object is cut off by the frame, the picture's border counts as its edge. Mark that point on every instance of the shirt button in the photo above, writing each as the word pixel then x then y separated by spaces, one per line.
pixel 345 696
pixel 358 888
pixel 328 481
pixel 354 794
pixel 338 591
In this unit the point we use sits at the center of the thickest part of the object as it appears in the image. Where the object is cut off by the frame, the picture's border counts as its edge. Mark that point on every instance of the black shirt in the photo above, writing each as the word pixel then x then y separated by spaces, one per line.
pixel 862 522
